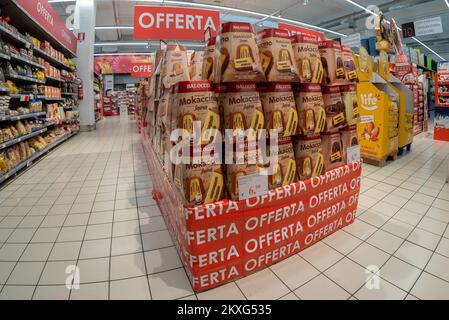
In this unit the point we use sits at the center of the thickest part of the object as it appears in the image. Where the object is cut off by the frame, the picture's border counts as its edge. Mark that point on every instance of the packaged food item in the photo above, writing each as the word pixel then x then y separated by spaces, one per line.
pixel 309 156
pixel 348 139
pixel 208 60
pixel 283 172
pixel 175 65
pixel 237 55
pixel 279 107
pixel 309 101
pixel 242 108
pixel 332 150
pixel 277 56
pixel 201 181
pixel 196 102
pixel 307 56
pixel 196 66
pixel 349 97
pixel 335 110
pixel 332 60
pixel 349 64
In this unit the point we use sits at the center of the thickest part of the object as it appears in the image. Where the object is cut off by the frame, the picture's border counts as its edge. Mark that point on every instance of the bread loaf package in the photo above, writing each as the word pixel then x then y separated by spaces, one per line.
pixel 349 139
pixel 196 102
pixel 276 54
pixel 242 108
pixel 310 105
pixel 332 60
pixel 237 55
pixel 349 64
pixel 175 65
pixel 196 66
pixel 208 60
pixel 349 97
pixel 332 150
pixel 279 107
pixel 201 181
pixel 283 172
pixel 309 156
pixel 307 57
pixel 335 109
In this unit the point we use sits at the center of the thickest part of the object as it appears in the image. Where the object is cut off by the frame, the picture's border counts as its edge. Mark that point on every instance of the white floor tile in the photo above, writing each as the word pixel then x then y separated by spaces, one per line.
pixel 348 275
pixel 439 266
pixel 367 255
pixel 424 239
pixel 287 271
pixel 127 266
pixel 321 256
pixel 399 273
pixel 51 293
pixel 262 285
pixel 385 291
pixel 170 285
pixel 162 260
pixel 130 289
pixel 429 287
pixel 92 291
pixel 385 241
pixel 228 291
pixel 321 288
pixel 17 293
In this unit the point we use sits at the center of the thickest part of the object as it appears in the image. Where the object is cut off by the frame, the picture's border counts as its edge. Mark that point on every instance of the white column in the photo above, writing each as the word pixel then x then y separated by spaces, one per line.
pixel 85 62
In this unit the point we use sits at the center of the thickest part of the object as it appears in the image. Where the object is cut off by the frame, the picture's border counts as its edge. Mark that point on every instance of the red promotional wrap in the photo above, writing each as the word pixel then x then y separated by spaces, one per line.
pixel 227 240
pixel 299 30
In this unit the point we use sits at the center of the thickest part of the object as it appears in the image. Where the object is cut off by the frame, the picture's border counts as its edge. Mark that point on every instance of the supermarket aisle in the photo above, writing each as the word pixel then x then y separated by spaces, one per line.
pixel 87 204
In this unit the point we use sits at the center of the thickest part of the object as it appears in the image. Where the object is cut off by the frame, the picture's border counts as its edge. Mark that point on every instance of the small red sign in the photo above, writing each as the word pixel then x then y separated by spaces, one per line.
pixel 81 36
pixel 141 70
pixel 174 23
pixel 295 30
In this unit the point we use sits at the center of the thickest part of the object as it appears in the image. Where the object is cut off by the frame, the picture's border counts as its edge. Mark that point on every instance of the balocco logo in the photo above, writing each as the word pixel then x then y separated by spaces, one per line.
pixel 198 86
pixel 178 21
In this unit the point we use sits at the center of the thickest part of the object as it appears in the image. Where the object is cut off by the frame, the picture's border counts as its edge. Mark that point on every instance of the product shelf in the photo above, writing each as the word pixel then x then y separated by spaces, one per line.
pixel 2 89
pixel 56 63
pixel 23 116
pixel 4 56
pixel 51 79
pixel 24 78
pixel 22 138
pixel 14 38
pixel 21 59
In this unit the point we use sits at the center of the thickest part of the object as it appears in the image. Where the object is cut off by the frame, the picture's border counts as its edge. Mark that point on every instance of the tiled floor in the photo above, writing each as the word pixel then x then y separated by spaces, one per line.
pixel 87 204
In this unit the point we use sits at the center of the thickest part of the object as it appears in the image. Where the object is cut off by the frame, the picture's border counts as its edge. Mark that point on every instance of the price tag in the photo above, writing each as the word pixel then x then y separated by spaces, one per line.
pixel 252 186
pixel 353 154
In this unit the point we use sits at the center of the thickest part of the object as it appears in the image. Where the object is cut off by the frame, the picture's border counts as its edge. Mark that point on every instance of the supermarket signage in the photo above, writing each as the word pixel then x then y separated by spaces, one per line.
pixel 142 69
pixel 443 67
pixel 300 30
pixel 174 23
pixel 44 14
pixel 422 27
pixel 352 41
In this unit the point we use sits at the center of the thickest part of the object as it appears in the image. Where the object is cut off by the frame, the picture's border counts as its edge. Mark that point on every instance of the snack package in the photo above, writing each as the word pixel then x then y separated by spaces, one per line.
pixel 310 105
pixel 196 102
pixel 237 55
pixel 332 150
pixel 208 60
pixel 349 97
pixel 335 109
pixel 283 172
pixel 242 108
pixel 309 156
pixel 349 64
pixel 279 107
pixel 332 60
pixel 348 139
pixel 277 56
pixel 201 181
pixel 307 56
pixel 175 65
pixel 196 66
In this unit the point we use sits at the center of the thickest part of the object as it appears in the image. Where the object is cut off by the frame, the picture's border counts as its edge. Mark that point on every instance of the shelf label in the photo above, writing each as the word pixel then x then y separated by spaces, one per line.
pixel 252 186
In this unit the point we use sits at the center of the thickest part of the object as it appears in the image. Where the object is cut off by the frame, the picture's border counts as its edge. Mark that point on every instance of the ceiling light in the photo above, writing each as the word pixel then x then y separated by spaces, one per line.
pixel 115 28
pixel 142 44
pixel 362 7
pixel 447 3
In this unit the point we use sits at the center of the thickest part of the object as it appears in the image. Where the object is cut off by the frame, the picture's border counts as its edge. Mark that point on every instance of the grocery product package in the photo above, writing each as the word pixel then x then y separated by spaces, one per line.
pixel 208 60
pixel 196 66
pixel 349 97
pixel 195 101
pixel 279 107
pixel 276 54
pixel 310 105
pixel 237 55
pixel 174 65
pixel 335 109
pixel 332 60
pixel 307 57
pixel 309 156
pixel 283 172
pixel 332 150
pixel 201 181
pixel 242 108
pixel 348 139
pixel 349 64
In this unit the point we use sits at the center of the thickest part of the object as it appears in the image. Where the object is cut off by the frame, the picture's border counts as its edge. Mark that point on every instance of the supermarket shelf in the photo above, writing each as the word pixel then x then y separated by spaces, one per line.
pixel 52 60
pixel 4 56
pixel 26 163
pixel 425 68
pixel 22 138
pixel 12 37
pixel 444 94
pixel 26 96
pixel 69 94
pixel 53 79
pixel 53 99
pixel 19 58
pixel 24 78
pixel 4 89
pixel 22 116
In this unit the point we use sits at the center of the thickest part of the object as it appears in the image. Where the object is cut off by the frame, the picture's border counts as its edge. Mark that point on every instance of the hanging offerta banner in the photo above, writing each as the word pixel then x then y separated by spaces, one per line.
pixel 174 23
pixel 295 30
pixel 142 70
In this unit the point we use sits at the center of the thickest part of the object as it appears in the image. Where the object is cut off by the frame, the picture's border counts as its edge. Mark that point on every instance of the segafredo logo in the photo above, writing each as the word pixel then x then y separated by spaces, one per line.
pixel 369 101
pixel 178 21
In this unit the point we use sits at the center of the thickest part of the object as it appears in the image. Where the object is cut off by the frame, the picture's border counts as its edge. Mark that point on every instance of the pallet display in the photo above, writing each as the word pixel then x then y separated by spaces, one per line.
pixel 441 130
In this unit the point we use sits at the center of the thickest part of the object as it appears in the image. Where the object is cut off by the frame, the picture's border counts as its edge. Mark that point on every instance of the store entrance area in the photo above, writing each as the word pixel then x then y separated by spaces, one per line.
pixel 88 204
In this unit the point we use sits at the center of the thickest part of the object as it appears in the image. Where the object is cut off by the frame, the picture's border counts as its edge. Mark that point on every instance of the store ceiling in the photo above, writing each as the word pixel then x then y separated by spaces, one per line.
pixel 336 15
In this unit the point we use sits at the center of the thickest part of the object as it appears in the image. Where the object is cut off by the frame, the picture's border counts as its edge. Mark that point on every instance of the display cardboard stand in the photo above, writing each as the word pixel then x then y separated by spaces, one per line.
pixel 228 240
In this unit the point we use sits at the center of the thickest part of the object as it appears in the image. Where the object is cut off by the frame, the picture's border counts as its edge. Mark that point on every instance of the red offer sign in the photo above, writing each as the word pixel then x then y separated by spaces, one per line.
pixel 142 69
pixel 173 23
pixel 295 29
